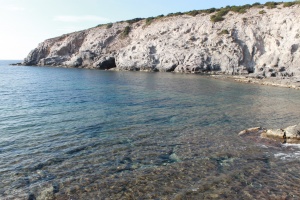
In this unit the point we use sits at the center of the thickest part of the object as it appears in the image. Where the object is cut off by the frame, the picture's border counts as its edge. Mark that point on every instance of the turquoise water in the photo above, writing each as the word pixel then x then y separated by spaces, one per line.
pixel 89 134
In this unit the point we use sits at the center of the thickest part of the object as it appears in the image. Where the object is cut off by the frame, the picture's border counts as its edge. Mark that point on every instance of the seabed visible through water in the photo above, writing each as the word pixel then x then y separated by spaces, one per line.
pixel 87 134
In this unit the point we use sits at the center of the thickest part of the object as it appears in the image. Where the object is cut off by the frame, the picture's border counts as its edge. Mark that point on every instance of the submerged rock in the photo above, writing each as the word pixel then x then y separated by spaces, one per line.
pixel 250 130
pixel 16 64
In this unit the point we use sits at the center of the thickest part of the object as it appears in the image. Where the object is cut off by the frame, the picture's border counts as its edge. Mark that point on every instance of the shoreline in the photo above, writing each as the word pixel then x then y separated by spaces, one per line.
pixel 291 82
pixel 283 82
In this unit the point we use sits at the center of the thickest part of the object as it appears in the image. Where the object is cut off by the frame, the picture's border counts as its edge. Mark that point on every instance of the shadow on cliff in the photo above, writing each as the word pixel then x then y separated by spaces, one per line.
pixel 247 60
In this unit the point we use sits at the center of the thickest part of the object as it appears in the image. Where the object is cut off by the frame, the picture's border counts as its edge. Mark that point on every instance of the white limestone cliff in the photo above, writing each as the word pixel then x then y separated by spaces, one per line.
pixel 266 44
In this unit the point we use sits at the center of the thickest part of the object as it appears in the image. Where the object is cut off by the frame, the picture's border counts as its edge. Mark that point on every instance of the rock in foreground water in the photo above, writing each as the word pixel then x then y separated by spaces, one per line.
pixel 290 134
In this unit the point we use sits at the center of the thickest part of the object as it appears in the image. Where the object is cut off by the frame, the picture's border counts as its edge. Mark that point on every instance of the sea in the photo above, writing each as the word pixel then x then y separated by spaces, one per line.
pixel 68 133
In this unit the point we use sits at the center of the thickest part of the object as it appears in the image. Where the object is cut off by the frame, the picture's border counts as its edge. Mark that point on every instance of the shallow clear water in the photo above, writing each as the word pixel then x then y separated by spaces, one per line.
pixel 88 134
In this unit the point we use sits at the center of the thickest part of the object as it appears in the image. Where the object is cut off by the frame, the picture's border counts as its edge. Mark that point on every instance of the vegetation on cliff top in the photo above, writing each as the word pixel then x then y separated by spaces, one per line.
pixel 126 32
pixel 218 14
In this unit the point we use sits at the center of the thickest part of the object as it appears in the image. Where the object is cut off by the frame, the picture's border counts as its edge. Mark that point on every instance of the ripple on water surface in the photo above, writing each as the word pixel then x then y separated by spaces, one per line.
pixel 86 134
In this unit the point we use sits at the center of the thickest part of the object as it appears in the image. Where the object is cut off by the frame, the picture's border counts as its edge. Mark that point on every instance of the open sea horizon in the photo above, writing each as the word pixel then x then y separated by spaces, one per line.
pixel 70 133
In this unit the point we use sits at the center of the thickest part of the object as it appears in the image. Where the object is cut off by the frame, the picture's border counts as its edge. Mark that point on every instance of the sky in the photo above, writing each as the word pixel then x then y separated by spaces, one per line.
pixel 26 23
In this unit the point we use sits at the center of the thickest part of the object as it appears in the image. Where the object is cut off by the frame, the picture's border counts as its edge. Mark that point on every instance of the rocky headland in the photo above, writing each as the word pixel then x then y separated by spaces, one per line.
pixel 254 42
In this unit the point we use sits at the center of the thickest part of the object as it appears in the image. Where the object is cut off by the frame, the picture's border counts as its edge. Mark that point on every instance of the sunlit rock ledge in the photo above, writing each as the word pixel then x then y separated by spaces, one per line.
pixel 290 134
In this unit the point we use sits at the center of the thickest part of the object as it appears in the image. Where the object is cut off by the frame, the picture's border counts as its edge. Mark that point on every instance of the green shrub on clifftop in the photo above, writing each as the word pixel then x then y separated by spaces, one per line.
pixel 271 4
pixel 193 13
pixel 126 31
pixel 149 20
pixel 216 18
pixel 211 10
pixel 109 25
pixel 131 21
pixel 289 4
pixel 175 14
pixel 256 4
pixel 238 9
pixel 219 15
pixel 223 12
pixel 262 12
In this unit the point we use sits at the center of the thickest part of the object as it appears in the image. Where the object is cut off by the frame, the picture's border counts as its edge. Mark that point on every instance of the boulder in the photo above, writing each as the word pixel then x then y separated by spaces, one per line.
pixel 291 132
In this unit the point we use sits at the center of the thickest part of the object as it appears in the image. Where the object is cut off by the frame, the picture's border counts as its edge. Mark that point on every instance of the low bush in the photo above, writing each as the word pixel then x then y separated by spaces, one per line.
pixel 239 9
pixel 211 10
pixel 271 5
pixel 109 25
pixel 235 8
pixel 219 15
pixel 224 32
pixel 126 31
pixel 149 20
pixel 193 13
pixel 131 21
pixel 216 18
pixel 289 4
pixel 175 14
pixel 262 12
pixel 256 4
pixel 222 12
pixel 178 14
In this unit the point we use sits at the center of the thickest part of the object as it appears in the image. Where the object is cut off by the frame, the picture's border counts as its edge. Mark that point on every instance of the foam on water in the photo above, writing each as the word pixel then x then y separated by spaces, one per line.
pixel 293 152
pixel 288 156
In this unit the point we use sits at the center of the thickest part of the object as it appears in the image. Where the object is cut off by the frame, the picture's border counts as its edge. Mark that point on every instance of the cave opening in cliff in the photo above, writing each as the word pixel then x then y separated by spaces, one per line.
pixel 108 63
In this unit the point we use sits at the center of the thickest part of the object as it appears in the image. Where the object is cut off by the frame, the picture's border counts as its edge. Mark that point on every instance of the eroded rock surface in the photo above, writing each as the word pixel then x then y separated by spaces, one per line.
pixel 266 44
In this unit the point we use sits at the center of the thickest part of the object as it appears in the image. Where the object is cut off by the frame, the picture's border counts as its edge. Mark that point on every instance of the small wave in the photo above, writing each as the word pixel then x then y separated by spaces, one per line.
pixel 291 145
pixel 288 156
pixel 292 154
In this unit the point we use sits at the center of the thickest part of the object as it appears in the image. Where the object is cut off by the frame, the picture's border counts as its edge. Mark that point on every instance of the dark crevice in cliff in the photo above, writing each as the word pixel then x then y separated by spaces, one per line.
pixel 247 60
pixel 294 48
pixel 108 64
pixel 171 69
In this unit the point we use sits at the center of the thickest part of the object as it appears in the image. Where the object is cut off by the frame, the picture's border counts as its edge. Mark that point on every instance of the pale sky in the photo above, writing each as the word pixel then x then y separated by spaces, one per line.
pixel 26 23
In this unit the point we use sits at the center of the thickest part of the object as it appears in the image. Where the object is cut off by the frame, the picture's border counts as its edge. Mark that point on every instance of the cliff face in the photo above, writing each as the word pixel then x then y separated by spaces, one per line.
pixel 267 44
